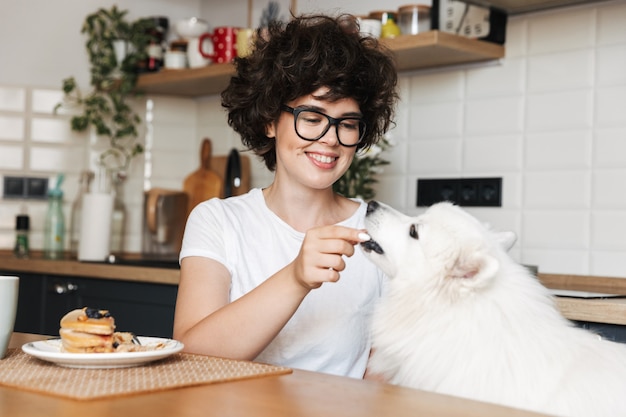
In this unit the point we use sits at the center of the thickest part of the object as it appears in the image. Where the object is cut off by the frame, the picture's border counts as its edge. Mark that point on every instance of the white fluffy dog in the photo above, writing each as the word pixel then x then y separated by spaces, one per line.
pixel 461 317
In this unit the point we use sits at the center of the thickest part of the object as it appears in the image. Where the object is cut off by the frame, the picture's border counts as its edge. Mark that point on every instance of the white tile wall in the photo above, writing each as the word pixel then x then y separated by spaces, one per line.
pixel 494 115
pixel 549 118
pixel 510 76
pixel 13 99
pixel 610 148
pixel 561 71
pixel 562 110
pixel 11 128
pixel 11 157
pixel 499 153
pixel 569 149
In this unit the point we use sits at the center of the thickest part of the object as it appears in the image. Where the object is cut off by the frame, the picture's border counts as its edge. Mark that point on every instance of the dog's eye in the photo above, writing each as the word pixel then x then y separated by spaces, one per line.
pixel 413 232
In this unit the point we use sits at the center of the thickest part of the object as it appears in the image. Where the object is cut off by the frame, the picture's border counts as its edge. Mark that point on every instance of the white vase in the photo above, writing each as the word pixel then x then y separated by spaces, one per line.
pixel 95 228
pixel 120 47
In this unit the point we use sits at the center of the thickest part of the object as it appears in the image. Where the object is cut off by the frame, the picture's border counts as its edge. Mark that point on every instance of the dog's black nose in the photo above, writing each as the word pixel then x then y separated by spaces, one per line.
pixel 372 206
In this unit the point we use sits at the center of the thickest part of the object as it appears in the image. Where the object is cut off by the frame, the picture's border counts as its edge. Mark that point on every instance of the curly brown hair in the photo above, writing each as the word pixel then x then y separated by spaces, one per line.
pixel 293 60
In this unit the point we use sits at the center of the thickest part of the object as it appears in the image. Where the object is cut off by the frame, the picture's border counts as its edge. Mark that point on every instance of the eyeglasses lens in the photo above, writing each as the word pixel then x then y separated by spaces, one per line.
pixel 312 125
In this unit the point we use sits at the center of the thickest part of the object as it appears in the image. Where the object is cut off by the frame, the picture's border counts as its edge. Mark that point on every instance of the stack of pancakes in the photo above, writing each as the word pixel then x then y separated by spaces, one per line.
pixel 87 330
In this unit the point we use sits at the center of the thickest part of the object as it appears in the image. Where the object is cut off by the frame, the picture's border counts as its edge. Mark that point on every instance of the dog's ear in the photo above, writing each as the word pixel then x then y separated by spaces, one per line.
pixel 474 264
pixel 506 239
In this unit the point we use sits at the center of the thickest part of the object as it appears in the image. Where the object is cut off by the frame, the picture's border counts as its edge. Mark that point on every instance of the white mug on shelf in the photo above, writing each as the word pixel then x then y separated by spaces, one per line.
pixel 195 59
pixel 370 27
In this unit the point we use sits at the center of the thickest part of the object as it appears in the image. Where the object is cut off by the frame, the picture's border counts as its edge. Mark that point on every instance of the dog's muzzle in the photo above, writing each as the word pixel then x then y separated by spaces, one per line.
pixel 372 206
pixel 372 245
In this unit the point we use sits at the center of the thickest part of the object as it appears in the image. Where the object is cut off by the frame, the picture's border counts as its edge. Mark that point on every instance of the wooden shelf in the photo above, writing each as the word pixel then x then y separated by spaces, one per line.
pixel 425 50
pixel 435 49
pixel 513 7
pixel 192 82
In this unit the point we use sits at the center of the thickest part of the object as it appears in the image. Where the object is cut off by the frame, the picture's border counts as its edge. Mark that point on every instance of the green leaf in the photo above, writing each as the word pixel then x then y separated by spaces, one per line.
pixel 106 107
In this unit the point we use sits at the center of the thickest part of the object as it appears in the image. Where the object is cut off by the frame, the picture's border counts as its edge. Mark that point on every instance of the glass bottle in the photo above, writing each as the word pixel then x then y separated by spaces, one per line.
pixel 54 228
pixel 389 27
pixel 77 208
pixel 118 220
pixel 22 226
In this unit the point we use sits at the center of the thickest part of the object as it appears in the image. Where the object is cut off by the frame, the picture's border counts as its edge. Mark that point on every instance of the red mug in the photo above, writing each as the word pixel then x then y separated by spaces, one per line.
pixel 224 39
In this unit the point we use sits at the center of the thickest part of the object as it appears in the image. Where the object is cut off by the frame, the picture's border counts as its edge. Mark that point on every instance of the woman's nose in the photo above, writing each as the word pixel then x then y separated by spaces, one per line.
pixel 331 136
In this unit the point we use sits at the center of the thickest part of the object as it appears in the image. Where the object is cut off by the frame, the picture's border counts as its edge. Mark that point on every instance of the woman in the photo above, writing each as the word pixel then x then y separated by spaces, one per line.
pixel 275 275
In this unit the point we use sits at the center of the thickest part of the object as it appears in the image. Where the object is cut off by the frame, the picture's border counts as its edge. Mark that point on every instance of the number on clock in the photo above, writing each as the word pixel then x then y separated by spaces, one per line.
pixel 463 19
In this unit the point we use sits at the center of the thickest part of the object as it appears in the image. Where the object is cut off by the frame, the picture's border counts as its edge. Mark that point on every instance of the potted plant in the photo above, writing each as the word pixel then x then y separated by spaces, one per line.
pixel 358 180
pixel 115 48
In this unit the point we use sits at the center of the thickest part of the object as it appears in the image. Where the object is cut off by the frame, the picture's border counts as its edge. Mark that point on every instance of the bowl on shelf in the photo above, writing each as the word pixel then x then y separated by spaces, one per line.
pixel 191 27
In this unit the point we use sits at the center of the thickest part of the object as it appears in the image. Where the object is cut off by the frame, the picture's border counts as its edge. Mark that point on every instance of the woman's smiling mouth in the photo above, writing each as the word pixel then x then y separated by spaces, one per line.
pixel 323 159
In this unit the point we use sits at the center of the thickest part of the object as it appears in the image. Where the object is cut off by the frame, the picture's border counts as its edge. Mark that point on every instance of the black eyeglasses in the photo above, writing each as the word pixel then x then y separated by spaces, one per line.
pixel 311 125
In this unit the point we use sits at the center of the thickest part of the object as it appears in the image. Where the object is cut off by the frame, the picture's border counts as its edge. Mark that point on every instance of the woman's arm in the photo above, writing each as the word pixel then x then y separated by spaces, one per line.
pixel 207 323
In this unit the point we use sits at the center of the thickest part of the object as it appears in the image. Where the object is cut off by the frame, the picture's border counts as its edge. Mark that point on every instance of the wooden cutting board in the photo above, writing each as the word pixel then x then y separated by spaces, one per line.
pixel 204 183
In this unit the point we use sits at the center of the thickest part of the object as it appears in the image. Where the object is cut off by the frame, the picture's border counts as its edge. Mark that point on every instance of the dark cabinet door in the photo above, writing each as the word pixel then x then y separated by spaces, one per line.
pixel 30 301
pixel 145 309
pixel 61 296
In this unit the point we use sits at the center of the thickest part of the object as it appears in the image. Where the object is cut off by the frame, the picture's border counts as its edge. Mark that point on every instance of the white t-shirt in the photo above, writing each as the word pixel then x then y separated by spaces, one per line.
pixel 330 330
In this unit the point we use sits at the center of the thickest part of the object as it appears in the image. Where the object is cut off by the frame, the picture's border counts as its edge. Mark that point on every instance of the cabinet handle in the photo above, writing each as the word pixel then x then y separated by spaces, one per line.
pixel 64 287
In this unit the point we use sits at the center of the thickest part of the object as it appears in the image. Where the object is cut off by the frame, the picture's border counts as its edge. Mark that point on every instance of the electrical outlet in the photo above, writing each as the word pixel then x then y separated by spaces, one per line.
pixel 469 192
pixel 14 187
pixel 490 192
pixel 37 188
pixel 25 187
pixel 430 191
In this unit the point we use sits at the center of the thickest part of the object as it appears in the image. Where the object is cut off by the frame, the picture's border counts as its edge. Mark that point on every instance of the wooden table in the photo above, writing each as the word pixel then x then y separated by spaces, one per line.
pixel 301 393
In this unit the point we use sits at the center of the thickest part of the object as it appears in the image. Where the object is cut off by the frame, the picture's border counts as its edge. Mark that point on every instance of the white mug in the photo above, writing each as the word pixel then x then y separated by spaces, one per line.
pixel 194 56
pixel 9 288
pixel 370 27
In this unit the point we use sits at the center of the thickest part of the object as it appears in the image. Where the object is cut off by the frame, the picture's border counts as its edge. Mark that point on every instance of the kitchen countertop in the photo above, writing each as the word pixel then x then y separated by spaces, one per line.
pixel 68 267
pixel 595 309
pixel 599 309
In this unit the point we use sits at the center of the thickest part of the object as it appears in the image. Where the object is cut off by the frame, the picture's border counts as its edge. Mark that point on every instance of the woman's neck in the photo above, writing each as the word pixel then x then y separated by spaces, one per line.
pixel 303 208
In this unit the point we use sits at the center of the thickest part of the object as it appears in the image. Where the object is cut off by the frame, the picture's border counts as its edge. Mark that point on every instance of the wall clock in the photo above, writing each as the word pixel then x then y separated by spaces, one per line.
pixel 469 20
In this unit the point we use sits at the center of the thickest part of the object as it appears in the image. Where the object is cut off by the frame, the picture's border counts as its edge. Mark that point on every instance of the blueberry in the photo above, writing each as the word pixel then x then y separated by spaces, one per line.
pixel 94 313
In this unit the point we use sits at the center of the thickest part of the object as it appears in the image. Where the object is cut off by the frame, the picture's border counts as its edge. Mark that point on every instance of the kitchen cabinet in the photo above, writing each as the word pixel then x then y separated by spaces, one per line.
pixel 146 309
pixel 425 50
pixel 613 332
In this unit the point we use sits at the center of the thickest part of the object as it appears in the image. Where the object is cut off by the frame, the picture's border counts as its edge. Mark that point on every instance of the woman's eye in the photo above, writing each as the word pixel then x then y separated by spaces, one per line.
pixel 311 118
pixel 350 125
pixel 413 232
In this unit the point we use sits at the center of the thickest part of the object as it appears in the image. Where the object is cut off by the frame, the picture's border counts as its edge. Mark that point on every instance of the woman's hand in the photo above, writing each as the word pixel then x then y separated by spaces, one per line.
pixel 321 255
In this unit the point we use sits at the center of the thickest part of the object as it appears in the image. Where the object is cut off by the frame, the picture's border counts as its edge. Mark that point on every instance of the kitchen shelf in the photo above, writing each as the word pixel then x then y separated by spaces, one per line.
pixel 435 49
pixel 513 7
pixel 424 50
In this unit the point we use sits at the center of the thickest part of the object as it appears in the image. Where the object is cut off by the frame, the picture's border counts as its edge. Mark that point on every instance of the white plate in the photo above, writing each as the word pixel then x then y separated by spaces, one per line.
pixel 50 351
pixel 582 294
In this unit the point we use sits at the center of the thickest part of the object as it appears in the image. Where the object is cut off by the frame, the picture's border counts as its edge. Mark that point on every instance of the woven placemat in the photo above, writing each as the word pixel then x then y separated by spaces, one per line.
pixel 22 371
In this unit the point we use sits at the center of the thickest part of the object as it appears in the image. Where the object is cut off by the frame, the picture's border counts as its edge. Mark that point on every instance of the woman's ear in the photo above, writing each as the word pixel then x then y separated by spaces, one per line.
pixel 270 130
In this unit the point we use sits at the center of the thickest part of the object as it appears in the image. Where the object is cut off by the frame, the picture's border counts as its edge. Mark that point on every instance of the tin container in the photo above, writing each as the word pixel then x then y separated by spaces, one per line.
pixel 414 19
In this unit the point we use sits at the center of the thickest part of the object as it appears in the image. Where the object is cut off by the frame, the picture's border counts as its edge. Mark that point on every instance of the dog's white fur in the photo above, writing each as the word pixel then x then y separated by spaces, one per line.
pixel 461 317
